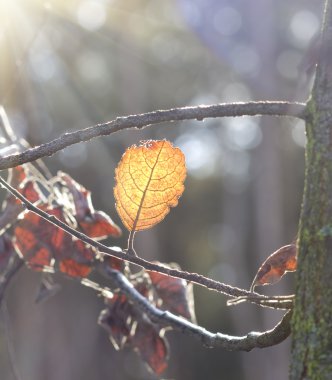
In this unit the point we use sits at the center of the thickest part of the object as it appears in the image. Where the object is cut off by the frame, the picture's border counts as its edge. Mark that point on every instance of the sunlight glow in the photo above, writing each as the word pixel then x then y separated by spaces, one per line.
pixel 304 25
pixel 298 134
pixel 201 151
pixel 91 15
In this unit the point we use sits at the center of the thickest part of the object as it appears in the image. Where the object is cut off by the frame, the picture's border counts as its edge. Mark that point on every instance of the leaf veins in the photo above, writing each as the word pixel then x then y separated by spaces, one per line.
pixel 149 180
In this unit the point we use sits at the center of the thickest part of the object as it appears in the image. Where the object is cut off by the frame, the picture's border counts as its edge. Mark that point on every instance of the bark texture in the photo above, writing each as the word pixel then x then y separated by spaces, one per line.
pixel 312 319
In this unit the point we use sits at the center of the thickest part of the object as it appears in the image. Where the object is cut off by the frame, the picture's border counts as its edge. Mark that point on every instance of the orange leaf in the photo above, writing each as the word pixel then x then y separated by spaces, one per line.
pixel 149 180
pixel 276 265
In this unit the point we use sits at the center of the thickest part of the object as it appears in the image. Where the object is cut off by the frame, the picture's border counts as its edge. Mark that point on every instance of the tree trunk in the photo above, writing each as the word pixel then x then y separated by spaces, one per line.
pixel 312 320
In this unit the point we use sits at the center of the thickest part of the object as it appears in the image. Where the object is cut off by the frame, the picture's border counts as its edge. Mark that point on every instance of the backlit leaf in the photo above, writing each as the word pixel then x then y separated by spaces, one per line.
pixel 276 265
pixel 149 180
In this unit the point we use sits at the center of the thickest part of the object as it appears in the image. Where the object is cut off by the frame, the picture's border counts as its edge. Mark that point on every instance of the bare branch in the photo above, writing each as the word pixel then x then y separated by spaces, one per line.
pixel 119 253
pixel 143 120
pixel 266 302
pixel 212 340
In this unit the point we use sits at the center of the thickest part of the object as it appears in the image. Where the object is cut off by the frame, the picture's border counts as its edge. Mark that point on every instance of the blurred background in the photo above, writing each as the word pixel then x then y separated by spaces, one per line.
pixel 69 64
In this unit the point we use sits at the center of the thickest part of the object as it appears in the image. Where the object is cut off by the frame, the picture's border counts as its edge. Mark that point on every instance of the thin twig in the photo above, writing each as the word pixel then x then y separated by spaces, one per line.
pixel 212 340
pixel 120 254
pixel 200 113
pixel 272 300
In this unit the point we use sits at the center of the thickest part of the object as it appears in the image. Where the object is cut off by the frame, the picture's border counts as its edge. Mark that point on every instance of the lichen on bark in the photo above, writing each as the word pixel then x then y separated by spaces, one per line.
pixel 312 319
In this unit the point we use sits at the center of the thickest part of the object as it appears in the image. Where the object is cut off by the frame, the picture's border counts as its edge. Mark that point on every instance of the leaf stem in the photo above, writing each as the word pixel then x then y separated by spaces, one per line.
pixel 130 248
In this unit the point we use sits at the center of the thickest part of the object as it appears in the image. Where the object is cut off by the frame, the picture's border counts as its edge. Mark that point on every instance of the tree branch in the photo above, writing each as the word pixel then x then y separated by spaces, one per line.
pixel 119 253
pixel 143 120
pixel 212 340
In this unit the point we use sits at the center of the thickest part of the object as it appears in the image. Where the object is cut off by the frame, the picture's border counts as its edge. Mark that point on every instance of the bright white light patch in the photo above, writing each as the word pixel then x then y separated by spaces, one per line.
pixel 298 134
pixel 242 133
pixel 201 152
pixel 91 15
pixel 304 25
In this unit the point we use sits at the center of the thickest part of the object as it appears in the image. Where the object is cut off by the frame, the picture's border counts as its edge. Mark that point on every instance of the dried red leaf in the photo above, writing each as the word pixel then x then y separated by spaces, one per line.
pixel 73 269
pixel 30 192
pixel 18 178
pixel 99 226
pixel 43 244
pixel 81 196
pixel 95 224
pixel 17 175
pixel 38 240
pixel 117 320
pixel 151 345
pixel 115 263
pixel 78 262
pixel 276 265
pixel 173 294
pixel 12 207
pixel 127 327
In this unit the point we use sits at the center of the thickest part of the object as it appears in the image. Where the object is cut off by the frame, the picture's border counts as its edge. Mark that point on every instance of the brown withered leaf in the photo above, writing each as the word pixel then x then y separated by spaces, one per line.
pixel 40 243
pixel 117 320
pixel 173 294
pixel 95 224
pixel 276 265
pixel 126 326
pixel 151 345
pixel 149 180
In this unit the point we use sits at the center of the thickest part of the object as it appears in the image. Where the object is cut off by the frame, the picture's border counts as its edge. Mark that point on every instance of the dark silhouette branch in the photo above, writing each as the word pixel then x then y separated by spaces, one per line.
pixel 156 117
pixel 212 340
pixel 198 279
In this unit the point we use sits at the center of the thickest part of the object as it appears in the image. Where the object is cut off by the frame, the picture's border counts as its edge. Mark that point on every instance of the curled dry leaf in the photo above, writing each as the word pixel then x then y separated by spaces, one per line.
pixel 276 265
pixel 45 246
pixel 149 180
pixel 126 326
pixel 117 320
pixel 40 243
pixel 37 240
pixel 173 294
pixel 151 345
pixel 11 208
pixel 95 224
